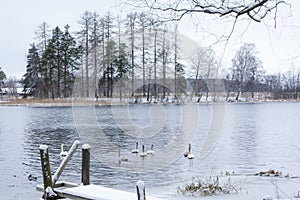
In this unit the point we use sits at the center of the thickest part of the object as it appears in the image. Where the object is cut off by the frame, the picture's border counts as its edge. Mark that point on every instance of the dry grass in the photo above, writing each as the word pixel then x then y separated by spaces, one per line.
pixel 51 102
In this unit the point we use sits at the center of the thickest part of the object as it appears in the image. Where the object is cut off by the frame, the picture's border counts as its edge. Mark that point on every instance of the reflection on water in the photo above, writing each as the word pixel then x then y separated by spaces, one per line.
pixel 254 137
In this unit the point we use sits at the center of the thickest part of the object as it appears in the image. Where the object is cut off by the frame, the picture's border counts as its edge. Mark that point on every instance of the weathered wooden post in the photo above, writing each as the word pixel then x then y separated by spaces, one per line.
pixel 85 173
pixel 140 188
pixel 45 162
pixel 65 161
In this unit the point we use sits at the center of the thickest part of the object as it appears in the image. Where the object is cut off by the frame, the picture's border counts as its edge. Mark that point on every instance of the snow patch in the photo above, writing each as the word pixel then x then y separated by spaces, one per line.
pixel 43 147
pixel 86 146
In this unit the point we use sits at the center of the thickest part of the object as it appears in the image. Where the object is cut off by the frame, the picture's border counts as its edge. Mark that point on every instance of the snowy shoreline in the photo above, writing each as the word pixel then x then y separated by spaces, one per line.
pixel 106 102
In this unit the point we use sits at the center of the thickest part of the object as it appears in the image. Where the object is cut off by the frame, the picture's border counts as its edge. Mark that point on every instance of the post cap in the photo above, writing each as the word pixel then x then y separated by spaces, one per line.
pixel 43 147
pixel 140 185
pixel 86 146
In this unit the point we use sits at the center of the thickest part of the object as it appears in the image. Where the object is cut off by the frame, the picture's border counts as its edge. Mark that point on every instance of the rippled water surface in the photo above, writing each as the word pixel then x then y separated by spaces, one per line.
pixel 253 138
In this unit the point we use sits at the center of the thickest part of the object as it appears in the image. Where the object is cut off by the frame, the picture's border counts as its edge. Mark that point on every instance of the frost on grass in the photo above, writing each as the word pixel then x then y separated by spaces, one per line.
pixel 211 186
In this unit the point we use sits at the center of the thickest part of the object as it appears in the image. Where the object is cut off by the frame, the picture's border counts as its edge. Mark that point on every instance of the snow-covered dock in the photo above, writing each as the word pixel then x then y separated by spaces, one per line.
pixel 52 188
pixel 89 192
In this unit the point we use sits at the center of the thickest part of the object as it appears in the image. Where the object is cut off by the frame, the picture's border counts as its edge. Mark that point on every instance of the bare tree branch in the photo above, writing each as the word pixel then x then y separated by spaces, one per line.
pixel 174 10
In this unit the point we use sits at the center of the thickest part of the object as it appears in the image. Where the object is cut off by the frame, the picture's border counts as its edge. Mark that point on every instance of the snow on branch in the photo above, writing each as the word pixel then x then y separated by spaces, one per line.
pixel 176 9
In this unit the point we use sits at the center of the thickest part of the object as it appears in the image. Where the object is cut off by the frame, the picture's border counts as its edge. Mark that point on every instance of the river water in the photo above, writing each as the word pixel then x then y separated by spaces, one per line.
pixel 242 139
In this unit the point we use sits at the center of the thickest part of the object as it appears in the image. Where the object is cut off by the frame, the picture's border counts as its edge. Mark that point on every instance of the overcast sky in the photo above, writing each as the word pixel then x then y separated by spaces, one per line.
pixel 278 48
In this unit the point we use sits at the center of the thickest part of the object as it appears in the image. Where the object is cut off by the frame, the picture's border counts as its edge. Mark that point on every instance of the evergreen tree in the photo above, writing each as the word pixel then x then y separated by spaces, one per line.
pixel 56 40
pixel 61 59
pixel 48 60
pixel 2 75
pixel 43 34
pixel 31 77
pixel 70 60
pixel 2 78
pixel 122 66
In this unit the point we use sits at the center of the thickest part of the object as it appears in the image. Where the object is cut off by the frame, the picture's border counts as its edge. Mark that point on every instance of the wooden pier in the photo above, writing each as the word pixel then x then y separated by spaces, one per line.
pixel 91 192
pixel 53 189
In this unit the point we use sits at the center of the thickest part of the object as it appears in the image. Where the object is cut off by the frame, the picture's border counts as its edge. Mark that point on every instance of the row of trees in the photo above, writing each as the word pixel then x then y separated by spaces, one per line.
pixel 245 77
pixel 137 56
pixel 106 50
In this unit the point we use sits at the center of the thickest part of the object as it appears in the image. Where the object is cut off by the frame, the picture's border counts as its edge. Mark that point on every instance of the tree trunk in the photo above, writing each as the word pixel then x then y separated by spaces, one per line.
pixel 155 89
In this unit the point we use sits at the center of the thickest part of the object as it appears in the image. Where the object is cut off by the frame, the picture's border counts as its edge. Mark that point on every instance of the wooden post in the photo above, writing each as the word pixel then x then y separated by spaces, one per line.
pixel 45 162
pixel 140 189
pixel 85 173
pixel 65 161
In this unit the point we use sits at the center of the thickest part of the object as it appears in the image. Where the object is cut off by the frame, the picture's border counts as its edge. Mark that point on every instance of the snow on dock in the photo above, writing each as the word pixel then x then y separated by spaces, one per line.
pixel 85 191
pixel 102 193
pixel 92 192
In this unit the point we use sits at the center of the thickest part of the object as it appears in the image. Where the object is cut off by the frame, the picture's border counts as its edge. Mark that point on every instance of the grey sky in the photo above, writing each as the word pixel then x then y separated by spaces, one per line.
pixel 278 48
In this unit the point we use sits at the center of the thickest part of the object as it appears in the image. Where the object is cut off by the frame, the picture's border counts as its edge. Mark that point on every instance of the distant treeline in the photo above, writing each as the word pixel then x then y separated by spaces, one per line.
pixel 140 56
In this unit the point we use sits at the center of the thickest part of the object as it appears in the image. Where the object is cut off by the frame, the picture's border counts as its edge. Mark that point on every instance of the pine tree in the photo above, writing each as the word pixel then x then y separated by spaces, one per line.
pixel 31 77
pixel 2 78
pixel 70 60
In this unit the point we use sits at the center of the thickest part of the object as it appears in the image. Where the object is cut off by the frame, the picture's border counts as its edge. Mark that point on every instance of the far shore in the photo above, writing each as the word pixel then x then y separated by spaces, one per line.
pixel 102 102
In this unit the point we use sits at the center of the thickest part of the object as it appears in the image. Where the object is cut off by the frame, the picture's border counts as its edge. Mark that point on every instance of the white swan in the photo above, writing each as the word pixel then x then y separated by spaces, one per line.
pixel 267 197
pixel 143 153
pixel 151 152
pixel 62 152
pixel 190 155
pixel 122 158
pixel 136 150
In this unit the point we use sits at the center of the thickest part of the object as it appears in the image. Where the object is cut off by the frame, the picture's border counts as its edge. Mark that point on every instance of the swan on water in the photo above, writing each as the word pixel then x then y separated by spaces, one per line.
pixel 136 150
pixel 143 153
pixel 62 152
pixel 189 154
pixel 151 151
pixel 122 158
pixel 267 197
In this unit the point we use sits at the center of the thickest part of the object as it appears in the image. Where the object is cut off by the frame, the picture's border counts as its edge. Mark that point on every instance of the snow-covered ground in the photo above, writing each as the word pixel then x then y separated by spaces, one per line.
pixel 251 188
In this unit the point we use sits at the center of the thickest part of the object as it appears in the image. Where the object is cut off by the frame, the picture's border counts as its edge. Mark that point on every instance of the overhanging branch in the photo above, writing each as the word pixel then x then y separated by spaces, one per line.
pixel 176 9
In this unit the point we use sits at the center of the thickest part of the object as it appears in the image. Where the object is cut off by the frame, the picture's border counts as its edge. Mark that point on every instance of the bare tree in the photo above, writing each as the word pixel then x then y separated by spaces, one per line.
pixel 95 39
pixel 175 60
pixel 246 65
pixel 42 35
pixel 132 17
pixel 110 46
pixel 143 22
pixel 85 24
pixel 198 62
